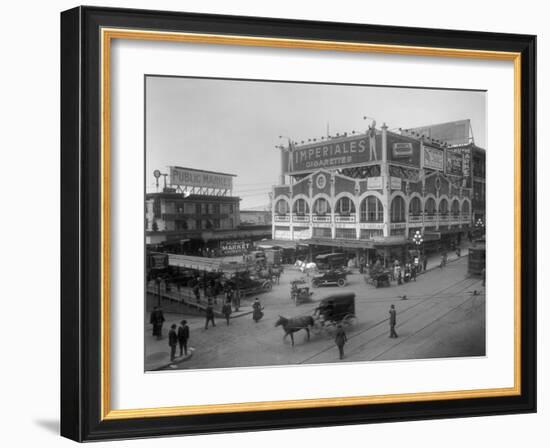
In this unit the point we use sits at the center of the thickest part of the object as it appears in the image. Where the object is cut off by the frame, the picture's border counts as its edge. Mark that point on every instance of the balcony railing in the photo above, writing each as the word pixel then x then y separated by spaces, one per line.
pixel 282 218
pixel 349 218
pixel 415 219
pixel 322 218
pixel 300 218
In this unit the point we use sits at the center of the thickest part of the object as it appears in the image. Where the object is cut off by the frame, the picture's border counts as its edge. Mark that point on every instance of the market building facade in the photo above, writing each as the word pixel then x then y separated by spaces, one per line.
pixel 369 193
pixel 197 214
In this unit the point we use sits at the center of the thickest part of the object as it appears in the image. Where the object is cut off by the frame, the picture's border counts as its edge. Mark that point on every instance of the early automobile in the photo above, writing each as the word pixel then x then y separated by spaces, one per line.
pixel 329 278
pixel 299 293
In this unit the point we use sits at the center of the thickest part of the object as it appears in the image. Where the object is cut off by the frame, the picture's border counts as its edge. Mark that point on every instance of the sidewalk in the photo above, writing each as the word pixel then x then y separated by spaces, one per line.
pixel 157 351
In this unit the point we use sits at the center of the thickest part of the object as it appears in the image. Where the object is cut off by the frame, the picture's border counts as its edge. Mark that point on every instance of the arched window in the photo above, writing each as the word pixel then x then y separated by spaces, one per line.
pixel 371 210
pixel 321 207
pixel 466 208
pixel 455 207
pixel 429 206
pixel 300 207
pixel 345 206
pixel 415 206
pixel 398 209
pixel 443 206
pixel 281 207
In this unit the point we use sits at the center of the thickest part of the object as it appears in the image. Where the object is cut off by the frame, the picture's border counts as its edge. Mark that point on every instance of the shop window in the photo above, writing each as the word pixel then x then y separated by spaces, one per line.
pixel 348 234
pixel 371 210
pixel 321 207
pixel 429 206
pixel 368 234
pixel 345 206
pixel 415 206
pixel 322 232
pixel 300 207
pixel 398 209
pixel 443 207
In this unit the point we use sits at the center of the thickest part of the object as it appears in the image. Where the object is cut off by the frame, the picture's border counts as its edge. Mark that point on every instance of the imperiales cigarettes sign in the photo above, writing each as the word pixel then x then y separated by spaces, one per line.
pixel 350 151
pixel 335 153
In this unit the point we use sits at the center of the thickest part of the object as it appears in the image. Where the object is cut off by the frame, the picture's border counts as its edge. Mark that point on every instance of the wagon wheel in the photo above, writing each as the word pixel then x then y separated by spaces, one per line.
pixel 349 320
pixel 267 286
pixel 341 282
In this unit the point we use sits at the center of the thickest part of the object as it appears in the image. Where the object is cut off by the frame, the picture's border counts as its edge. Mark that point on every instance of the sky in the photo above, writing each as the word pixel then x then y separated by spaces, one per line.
pixel 233 126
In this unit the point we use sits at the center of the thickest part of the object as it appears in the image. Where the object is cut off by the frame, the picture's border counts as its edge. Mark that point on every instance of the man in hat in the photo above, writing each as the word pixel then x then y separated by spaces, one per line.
pixel 183 337
pixel 209 315
pixel 393 321
pixel 226 310
pixel 340 339
pixel 172 341
pixel 157 319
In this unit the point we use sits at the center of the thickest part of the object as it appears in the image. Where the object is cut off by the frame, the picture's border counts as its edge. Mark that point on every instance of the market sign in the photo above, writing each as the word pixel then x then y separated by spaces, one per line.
pixel 187 177
pixel 334 153
pixel 232 247
pixel 433 158
pixel 402 149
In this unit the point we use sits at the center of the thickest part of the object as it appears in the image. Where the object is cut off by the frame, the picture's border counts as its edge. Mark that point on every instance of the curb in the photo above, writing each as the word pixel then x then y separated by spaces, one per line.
pixel 177 361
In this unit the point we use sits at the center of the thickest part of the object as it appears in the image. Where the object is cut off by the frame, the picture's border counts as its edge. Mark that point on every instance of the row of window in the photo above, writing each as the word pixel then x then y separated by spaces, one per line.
pixel 371 209
pixel 190 208
pixel 204 224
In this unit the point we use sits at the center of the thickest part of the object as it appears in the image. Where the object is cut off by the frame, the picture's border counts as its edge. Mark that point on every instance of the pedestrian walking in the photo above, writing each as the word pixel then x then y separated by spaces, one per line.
pixel 172 341
pixel 209 315
pixel 226 310
pixel 340 339
pixel 424 263
pixel 237 299
pixel 197 292
pixel 393 321
pixel 413 272
pixel 183 337
pixel 257 314
pixel 157 320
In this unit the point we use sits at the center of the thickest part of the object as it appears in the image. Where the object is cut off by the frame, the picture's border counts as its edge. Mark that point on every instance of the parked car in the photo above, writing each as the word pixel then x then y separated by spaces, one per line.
pixel 329 278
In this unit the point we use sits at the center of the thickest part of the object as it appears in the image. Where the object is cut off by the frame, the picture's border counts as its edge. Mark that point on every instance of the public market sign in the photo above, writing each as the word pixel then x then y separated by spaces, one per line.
pixel 186 177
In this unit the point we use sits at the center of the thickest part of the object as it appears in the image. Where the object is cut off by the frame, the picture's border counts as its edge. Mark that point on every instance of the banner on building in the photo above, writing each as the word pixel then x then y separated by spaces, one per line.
pixel 334 153
pixel 453 132
pixel 234 247
pixel 454 163
pixel 188 177
pixel 403 150
pixel 395 183
pixel 374 183
pixel 433 158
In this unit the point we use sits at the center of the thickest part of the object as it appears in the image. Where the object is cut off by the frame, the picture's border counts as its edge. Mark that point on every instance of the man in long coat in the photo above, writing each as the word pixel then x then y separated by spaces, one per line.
pixel 340 339
pixel 157 319
pixel 183 337
pixel 393 322
pixel 209 315
pixel 172 341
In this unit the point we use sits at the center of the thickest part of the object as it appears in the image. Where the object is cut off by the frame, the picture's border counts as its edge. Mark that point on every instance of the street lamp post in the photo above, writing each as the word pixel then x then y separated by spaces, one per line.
pixel 418 240
pixel 480 225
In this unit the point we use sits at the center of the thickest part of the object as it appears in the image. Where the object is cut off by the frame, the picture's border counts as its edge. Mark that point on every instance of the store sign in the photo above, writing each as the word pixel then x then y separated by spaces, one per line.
pixel 302 234
pixel 395 183
pixel 433 158
pixel 466 162
pixel 374 183
pixel 402 149
pixel 186 177
pixel 454 163
pixel 230 247
pixel 334 153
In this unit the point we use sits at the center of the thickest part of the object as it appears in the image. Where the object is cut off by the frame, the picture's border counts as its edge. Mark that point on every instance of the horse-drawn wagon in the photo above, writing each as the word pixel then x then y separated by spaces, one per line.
pixel 334 310
pixel 300 293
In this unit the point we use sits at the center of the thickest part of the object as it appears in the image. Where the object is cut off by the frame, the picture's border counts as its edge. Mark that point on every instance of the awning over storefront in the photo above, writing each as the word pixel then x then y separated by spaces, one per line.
pixel 284 244
pixel 204 263
pixel 346 244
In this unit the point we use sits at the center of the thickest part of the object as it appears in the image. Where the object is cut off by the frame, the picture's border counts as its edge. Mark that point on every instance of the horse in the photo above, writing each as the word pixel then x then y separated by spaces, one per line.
pixel 294 324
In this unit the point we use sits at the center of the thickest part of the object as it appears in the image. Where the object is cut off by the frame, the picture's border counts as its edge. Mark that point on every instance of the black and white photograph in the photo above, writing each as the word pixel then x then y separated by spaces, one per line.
pixel 291 223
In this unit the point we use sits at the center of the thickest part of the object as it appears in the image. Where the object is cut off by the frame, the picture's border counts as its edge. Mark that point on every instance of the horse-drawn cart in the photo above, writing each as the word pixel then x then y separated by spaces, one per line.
pixel 300 293
pixel 334 310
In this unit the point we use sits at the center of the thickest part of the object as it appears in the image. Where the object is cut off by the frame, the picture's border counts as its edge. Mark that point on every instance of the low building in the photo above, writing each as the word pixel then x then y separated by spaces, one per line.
pixel 255 217
pixel 197 214
pixel 369 194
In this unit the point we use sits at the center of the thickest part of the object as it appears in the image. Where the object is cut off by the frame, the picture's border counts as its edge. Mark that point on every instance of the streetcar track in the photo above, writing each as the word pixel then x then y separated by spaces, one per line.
pixel 404 339
pixel 432 296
